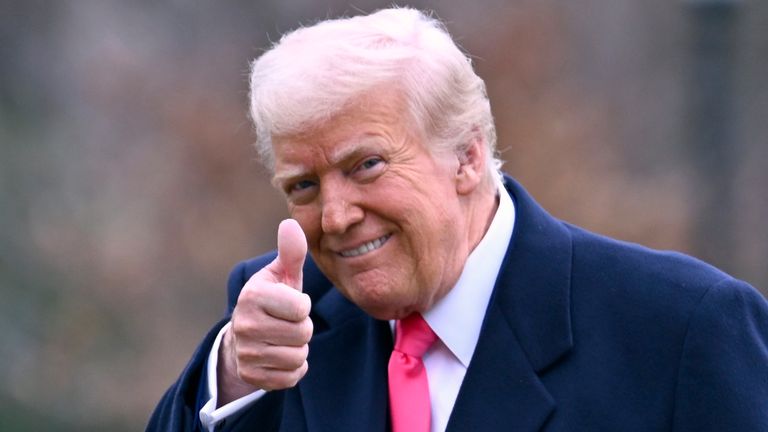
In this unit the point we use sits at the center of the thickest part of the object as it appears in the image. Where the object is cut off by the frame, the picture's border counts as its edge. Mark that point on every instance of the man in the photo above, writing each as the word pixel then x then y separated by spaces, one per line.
pixel 380 135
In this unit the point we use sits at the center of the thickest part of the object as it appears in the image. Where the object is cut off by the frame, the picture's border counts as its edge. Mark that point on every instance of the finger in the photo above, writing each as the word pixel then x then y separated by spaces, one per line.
pixel 272 379
pixel 274 332
pixel 283 358
pixel 287 304
pixel 285 333
pixel 291 252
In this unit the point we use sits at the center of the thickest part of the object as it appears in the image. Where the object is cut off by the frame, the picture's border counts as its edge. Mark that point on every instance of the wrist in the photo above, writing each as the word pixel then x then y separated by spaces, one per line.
pixel 229 385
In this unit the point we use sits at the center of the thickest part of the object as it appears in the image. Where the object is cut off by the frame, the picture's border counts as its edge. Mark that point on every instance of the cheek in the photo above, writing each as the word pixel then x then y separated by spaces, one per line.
pixel 431 222
pixel 434 239
pixel 309 220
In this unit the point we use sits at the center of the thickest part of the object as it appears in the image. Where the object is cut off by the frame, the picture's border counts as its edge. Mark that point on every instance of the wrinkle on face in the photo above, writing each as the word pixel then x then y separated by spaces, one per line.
pixel 412 197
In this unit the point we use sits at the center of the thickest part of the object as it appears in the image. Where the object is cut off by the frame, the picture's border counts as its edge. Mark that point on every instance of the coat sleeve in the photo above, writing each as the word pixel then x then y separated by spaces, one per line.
pixel 723 376
pixel 179 407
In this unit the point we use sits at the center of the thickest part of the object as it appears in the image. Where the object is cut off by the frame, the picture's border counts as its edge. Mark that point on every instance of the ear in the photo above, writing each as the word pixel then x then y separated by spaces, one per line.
pixel 471 168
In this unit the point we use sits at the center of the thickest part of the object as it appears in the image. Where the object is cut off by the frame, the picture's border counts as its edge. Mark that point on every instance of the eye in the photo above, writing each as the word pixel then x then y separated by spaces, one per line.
pixel 370 163
pixel 300 186
pixel 301 191
pixel 369 168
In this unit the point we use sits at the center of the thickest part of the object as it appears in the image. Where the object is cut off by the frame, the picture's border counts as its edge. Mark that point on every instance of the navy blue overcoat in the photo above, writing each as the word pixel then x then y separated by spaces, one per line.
pixel 583 333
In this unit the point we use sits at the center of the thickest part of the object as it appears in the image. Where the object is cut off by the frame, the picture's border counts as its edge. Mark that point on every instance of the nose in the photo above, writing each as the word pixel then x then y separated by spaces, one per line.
pixel 339 209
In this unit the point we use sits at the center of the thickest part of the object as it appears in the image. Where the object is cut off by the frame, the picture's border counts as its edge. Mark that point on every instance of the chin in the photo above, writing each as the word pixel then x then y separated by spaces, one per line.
pixel 380 304
pixel 384 312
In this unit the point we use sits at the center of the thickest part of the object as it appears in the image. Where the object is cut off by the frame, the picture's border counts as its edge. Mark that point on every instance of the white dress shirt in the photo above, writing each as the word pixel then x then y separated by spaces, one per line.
pixel 456 319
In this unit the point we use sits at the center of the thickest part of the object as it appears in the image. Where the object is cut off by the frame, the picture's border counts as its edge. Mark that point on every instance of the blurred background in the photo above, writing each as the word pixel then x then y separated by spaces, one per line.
pixel 128 187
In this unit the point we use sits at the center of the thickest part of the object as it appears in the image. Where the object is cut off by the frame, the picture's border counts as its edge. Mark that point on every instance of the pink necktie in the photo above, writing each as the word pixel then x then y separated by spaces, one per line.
pixel 408 386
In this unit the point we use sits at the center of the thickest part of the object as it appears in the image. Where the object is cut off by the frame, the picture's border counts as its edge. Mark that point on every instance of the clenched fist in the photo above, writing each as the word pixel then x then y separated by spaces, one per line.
pixel 266 346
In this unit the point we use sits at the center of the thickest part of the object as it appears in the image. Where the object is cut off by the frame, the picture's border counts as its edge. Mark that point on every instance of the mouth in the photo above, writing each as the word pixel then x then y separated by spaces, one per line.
pixel 366 247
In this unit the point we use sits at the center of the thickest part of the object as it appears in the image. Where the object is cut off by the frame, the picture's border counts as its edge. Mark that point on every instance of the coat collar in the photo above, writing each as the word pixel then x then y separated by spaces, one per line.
pixel 534 286
pixel 526 330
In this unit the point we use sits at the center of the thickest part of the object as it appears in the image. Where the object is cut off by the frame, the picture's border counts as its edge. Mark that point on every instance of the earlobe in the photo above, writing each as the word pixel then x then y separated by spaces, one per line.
pixel 471 167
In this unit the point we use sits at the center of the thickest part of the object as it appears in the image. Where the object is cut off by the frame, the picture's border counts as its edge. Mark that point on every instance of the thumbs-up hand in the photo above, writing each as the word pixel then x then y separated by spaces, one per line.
pixel 266 346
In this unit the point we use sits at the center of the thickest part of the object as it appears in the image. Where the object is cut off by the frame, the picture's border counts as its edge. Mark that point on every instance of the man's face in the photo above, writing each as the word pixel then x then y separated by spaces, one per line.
pixel 382 214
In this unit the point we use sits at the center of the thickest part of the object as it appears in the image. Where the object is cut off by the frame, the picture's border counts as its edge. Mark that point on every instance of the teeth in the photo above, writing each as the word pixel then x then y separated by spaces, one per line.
pixel 367 247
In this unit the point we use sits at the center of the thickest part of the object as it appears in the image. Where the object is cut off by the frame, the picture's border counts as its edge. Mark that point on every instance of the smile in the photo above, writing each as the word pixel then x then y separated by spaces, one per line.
pixel 365 248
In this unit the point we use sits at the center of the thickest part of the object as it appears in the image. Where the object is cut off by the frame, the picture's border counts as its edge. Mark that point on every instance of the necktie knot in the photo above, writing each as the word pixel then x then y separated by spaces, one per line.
pixel 413 336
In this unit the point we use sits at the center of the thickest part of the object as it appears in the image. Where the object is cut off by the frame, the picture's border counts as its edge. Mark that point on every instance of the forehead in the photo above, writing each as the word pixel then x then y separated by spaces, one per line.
pixel 371 122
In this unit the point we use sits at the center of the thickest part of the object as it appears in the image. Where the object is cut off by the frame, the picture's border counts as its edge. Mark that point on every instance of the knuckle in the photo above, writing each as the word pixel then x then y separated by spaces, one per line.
pixel 250 327
pixel 303 355
pixel 275 379
pixel 306 305
pixel 306 330
pixel 278 380
pixel 254 292
pixel 249 293
pixel 238 326
pixel 295 311
pixel 297 305
pixel 290 379
pixel 243 328
pixel 250 376
pixel 301 371
pixel 261 378
pixel 251 356
pixel 293 363
pixel 298 358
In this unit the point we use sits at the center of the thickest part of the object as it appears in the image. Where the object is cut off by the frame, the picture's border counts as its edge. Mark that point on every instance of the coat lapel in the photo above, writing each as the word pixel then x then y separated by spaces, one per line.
pixel 345 388
pixel 527 328
pixel 500 390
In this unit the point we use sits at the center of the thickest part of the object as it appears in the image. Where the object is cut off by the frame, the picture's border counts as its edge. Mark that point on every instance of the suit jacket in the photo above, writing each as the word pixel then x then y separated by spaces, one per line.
pixel 582 333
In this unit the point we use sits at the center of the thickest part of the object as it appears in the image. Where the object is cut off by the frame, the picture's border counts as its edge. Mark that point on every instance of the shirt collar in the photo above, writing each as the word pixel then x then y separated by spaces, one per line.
pixel 458 317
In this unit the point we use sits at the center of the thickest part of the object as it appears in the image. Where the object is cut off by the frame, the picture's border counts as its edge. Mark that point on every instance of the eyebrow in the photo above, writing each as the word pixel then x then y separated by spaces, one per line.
pixel 289 173
pixel 337 156
pixel 362 145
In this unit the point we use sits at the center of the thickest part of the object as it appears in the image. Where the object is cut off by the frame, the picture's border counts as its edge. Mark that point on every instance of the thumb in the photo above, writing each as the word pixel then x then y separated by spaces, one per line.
pixel 291 251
